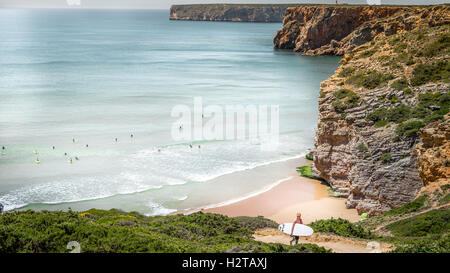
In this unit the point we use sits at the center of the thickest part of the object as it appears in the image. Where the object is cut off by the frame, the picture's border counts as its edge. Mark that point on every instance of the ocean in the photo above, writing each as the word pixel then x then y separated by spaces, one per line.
pixel 72 81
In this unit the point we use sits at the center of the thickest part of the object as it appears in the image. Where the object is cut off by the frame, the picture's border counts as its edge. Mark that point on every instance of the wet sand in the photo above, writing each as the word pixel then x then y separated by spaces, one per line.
pixel 282 202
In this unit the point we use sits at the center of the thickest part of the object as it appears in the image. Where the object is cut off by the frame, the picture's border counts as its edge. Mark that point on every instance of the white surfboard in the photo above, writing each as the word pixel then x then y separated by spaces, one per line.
pixel 299 229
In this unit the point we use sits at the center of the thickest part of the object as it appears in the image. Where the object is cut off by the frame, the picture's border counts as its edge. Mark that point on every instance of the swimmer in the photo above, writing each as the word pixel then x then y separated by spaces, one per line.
pixel 116 139
pixel 131 136
pixel 199 146
pixel 87 146
pixel 73 140
pixel 190 145
pixel 76 158
pixel 159 150
pixel 53 147
pixel 65 154
pixel 3 148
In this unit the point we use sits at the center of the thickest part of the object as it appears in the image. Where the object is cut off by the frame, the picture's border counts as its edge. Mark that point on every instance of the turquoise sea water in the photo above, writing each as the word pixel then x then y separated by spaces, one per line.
pixel 97 75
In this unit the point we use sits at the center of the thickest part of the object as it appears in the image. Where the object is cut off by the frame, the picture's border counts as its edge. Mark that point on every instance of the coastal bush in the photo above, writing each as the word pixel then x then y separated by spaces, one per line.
pixel 432 222
pixel 381 123
pixel 103 231
pixel 362 148
pixel 400 84
pixel 309 156
pixel 386 157
pixel 346 71
pixel 445 199
pixel 424 73
pixel 367 53
pixel 254 223
pixel 409 129
pixel 412 206
pixel 440 245
pixel 347 99
pixel 341 227
pixel 369 79
pixel 445 187
pixel 436 47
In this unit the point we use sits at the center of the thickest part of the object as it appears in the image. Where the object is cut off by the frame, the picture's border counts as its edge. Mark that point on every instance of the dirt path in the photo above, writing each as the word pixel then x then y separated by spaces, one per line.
pixel 335 243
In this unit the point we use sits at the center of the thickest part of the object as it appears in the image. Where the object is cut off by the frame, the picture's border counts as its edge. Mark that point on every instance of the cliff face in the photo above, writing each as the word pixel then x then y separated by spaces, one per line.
pixel 383 116
pixel 328 30
pixel 228 12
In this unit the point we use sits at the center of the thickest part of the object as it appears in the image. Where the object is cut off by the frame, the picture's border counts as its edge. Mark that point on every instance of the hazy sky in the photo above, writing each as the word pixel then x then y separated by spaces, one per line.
pixel 165 4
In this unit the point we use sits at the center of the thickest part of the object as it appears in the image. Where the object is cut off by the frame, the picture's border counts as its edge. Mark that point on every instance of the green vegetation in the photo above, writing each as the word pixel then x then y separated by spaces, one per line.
pixel 346 71
pixel 437 47
pixel 445 199
pixel 305 171
pixel 432 222
pixel 369 79
pixel 425 73
pixel 116 231
pixel 413 206
pixel 362 148
pixel 367 53
pixel 400 84
pixel 347 99
pixel 341 227
pixel 309 156
pixel 432 106
pixel 386 157
pixel 445 187
pixel 409 129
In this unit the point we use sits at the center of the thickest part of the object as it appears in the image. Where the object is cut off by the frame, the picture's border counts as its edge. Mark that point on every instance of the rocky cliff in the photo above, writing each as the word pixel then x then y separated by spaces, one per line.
pixel 228 12
pixel 383 116
pixel 335 30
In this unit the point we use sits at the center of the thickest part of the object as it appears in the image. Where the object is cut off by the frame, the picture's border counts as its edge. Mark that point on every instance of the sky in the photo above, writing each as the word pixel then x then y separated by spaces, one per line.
pixel 165 4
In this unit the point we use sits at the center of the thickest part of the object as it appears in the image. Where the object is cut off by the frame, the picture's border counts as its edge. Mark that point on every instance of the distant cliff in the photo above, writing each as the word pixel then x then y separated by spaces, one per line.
pixel 229 12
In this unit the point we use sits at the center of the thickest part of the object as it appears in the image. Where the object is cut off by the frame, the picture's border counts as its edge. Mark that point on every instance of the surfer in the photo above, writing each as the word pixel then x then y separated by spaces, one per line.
pixel 297 221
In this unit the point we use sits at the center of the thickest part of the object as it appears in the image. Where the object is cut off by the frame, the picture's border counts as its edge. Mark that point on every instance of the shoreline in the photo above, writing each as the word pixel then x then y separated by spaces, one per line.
pixel 282 200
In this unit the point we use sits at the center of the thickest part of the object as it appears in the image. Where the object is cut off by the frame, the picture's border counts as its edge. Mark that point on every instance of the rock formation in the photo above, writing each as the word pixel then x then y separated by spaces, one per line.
pixel 328 30
pixel 382 114
pixel 228 12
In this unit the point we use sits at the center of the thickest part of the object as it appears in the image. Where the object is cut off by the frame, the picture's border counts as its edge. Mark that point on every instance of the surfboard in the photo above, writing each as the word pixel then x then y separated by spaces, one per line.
pixel 299 229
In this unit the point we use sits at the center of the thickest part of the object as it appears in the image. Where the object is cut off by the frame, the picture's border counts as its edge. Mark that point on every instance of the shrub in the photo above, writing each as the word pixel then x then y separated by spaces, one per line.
pixel 436 47
pixel 424 73
pixel 386 157
pixel 362 148
pixel 370 79
pixel 346 71
pixel 381 123
pixel 412 206
pixel 445 199
pixel 400 84
pixel 432 222
pixel 340 227
pixel 409 129
pixel 309 156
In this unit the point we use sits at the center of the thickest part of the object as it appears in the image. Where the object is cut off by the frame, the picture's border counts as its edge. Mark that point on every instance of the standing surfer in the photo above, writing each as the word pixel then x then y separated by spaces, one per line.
pixel 297 221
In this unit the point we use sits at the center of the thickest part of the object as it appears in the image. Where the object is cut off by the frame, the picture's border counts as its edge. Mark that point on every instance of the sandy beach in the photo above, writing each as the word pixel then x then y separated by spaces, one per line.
pixel 282 202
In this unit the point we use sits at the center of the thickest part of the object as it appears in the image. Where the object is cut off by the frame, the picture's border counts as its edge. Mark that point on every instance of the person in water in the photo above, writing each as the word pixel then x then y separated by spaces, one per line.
pixel 1 208
pixel 3 147
pixel 297 221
